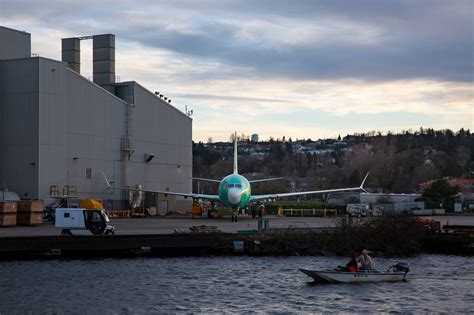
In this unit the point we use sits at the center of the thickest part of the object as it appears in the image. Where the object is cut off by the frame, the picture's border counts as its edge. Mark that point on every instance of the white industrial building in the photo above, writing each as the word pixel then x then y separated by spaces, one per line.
pixel 59 130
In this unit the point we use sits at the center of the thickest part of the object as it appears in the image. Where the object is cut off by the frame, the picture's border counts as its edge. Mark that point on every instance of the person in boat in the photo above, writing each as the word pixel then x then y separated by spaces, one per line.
pixel 352 265
pixel 365 261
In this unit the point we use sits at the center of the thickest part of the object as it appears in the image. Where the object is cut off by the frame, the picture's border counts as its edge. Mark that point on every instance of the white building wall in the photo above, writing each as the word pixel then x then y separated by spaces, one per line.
pixel 375 198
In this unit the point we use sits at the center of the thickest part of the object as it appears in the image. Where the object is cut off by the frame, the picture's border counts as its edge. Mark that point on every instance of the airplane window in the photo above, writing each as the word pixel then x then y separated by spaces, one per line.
pixel 230 185
pixel 238 185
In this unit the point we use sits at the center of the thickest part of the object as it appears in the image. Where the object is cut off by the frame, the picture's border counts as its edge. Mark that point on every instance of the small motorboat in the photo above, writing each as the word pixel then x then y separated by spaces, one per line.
pixel 395 273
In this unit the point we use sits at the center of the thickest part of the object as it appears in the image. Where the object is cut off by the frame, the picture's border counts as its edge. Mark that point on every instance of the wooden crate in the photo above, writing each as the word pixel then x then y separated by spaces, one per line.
pixel 29 218
pixel 7 219
pixel 7 207
pixel 30 206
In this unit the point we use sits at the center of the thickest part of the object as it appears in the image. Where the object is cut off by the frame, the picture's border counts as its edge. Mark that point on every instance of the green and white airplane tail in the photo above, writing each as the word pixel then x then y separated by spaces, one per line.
pixel 236 170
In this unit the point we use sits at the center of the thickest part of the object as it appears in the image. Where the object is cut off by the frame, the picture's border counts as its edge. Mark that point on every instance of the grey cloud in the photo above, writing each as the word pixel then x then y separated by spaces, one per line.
pixel 400 59
pixel 231 98
pixel 419 39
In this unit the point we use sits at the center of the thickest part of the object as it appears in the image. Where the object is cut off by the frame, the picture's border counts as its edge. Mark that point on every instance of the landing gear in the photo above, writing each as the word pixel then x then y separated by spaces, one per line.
pixel 235 215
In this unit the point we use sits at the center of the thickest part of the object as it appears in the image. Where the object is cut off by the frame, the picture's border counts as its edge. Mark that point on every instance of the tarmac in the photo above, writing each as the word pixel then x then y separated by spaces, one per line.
pixel 167 225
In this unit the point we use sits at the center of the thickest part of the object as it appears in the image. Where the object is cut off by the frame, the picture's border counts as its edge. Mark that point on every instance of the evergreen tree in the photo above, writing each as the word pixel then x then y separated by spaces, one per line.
pixel 439 192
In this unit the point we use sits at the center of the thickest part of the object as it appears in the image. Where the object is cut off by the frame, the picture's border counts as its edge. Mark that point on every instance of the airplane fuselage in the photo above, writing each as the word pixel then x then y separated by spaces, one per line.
pixel 234 191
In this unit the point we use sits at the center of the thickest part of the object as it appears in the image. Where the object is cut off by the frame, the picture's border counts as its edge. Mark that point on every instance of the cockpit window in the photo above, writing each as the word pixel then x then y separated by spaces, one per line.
pixel 234 185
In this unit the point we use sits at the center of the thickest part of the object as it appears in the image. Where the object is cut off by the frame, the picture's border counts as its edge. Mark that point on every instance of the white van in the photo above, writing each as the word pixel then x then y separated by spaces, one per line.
pixel 357 210
pixel 80 221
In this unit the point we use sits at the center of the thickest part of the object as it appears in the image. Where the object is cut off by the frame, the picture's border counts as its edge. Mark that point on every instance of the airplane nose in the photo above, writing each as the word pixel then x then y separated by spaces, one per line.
pixel 233 195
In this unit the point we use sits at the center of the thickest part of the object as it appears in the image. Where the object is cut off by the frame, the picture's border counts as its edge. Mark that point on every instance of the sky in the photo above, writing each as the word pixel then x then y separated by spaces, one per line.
pixel 299 69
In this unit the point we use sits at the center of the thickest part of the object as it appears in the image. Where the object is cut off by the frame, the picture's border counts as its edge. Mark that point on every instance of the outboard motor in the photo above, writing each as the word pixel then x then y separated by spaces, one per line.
pixel 402 266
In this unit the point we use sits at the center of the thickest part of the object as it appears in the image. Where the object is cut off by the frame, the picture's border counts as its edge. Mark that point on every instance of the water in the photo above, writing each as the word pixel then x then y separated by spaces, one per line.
pixel 438 283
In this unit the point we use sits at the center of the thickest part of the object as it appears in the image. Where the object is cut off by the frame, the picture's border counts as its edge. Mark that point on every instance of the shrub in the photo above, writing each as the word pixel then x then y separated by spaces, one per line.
pixel 391 234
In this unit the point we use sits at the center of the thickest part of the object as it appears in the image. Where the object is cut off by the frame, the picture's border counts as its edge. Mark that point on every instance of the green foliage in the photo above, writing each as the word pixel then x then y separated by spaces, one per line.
pixel 440 194
pixel 288 148
pixel 276 151
pixel 440 189
pixel 397 162
pixel 207 155
pixel 430 203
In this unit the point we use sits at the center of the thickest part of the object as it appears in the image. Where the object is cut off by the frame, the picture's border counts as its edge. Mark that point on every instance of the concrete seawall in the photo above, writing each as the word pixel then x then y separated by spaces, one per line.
pixel 110 246
pixel 194 245
pixel 156 237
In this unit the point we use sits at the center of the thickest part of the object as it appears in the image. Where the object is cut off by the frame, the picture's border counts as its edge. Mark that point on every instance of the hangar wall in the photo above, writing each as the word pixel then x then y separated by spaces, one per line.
pixel 19 125
pixel 59 128
pixel 81 127
pixel 19 44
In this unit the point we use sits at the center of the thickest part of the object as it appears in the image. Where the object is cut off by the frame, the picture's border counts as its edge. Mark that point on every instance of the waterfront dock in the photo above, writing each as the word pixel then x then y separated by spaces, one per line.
pixel 173 237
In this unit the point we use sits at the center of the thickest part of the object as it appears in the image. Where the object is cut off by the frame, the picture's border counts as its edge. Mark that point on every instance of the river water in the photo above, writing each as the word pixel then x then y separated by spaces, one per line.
pixel 437 283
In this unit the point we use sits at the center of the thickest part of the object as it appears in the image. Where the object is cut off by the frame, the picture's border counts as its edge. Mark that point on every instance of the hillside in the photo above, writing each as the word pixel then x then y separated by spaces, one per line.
pixel 397 162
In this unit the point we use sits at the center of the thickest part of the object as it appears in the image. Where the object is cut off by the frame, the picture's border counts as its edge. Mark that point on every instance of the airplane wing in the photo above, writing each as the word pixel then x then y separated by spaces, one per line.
pixel 264 180
pixel 186 195
pixel 207 179
pixel 271 196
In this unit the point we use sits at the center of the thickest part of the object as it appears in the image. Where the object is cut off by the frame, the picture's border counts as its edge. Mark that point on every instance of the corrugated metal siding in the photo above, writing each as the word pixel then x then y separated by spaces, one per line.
pixel 19 120
pixel 2 132
pixel 163 130
pixel 14 44
pixel 81 127
pixel 64 124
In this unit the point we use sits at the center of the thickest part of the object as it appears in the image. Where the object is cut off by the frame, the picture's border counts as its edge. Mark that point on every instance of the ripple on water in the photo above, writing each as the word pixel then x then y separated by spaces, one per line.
pixel 227 284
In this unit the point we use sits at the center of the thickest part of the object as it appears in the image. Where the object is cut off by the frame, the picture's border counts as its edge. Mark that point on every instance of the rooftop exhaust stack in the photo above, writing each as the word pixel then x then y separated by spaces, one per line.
pixel 103 56
pixel 71 53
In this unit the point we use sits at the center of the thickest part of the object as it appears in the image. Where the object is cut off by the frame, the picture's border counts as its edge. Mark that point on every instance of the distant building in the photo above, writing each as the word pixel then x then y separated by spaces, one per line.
pixel 343 198
pixel 390 203
pixel 254 138
pixel 466 185
pixel 59 130
pixel 370 198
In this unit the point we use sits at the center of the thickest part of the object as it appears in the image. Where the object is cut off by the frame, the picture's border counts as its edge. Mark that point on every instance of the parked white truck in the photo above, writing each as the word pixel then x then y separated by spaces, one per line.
pixel 90 219
pixel 357 210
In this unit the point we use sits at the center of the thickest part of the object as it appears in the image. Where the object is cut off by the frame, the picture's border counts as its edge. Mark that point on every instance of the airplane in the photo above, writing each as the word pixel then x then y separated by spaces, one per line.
pixel 235 191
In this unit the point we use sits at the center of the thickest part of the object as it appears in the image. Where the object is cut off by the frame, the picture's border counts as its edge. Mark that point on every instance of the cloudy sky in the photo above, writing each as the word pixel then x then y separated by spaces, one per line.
pixel 300 69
